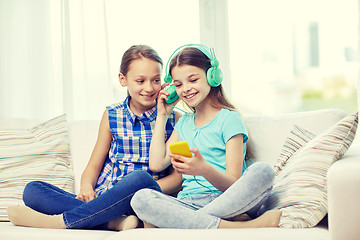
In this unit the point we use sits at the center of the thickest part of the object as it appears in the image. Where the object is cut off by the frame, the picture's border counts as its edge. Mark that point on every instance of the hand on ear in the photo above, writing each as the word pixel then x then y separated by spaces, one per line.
pixel 172 97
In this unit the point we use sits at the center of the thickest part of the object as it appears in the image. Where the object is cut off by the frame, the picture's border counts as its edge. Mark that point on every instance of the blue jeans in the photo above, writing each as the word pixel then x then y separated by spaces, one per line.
pixel 49 199
pixel 246 195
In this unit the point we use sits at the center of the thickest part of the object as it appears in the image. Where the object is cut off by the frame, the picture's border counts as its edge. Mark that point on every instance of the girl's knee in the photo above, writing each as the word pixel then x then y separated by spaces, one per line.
pixel 145 179
pixel 141 174
pixel 141 199
pixel 31 189
pixel 262 172
pixel 264 169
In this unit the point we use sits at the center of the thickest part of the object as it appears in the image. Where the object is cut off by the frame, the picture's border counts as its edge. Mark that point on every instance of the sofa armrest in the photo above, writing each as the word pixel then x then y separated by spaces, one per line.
pixel 343 181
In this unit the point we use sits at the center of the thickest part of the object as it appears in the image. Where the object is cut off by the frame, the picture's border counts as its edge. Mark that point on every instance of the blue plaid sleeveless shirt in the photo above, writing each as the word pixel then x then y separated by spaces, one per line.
pixel 129 149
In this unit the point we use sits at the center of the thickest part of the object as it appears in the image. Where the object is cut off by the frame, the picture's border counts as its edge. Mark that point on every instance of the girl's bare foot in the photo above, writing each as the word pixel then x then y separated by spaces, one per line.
pixel 241 217
pixel 148 225
pixel 268 219
pixel 124 223
pixel 25 216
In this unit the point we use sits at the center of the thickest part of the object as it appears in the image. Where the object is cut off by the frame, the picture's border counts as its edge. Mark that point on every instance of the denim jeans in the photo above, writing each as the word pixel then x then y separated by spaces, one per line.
pixel 49 199
pixel 246 195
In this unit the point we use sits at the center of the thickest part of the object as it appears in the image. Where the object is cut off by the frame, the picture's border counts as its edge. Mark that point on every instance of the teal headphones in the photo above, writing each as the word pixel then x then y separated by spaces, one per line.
pixel 213 75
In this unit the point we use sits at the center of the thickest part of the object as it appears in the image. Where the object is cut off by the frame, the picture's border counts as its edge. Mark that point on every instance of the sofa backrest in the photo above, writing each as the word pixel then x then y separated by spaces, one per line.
pixel 83 135
pixel 267 133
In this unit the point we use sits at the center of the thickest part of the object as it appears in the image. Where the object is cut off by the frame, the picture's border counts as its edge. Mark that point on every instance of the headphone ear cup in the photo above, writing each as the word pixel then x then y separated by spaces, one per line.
pixel 172 94
pixel 168 78
pixel 214 76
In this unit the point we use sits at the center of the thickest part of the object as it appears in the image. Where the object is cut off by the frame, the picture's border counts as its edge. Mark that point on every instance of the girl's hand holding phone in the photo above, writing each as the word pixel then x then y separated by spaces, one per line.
pixel 186 163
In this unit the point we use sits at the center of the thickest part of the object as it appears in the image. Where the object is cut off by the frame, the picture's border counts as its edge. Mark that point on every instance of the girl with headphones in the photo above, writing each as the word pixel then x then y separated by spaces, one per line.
pixel 217 185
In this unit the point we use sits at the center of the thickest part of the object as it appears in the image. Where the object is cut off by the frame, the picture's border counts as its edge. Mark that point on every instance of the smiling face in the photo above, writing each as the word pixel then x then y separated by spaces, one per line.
pixel 191 85
pixel 143 83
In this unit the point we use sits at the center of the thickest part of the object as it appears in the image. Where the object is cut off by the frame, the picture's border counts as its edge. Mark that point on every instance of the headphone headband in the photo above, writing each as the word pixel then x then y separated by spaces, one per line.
pixel 198 46
pixel 214 75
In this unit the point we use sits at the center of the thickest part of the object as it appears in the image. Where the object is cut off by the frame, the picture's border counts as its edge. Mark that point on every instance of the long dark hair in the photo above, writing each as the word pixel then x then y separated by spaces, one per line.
pixel 137 52
pixel 195 57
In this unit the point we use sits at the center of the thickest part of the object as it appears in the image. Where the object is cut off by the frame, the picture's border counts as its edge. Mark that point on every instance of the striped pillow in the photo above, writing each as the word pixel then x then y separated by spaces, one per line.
pixel 40 153
pixel 298 138
pixel 300 189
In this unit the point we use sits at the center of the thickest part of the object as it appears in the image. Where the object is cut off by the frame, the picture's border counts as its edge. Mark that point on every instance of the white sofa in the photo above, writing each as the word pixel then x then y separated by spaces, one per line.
pixel 267 134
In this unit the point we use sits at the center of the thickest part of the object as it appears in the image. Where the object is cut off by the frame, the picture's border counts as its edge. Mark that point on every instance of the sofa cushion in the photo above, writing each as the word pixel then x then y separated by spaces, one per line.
pixel 38 153
pixel 267 133
pixel 300 189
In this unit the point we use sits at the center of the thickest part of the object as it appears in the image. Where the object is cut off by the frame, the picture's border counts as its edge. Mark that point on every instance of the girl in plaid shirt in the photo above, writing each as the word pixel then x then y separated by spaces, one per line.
pixel 119 164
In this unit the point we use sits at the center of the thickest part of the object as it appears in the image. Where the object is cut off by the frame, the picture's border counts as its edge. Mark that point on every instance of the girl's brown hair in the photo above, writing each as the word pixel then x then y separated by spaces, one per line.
pixel 137 52
pixel 195 57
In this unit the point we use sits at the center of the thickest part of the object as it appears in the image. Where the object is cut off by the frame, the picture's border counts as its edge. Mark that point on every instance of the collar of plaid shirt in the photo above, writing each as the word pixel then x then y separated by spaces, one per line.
pixel 146 116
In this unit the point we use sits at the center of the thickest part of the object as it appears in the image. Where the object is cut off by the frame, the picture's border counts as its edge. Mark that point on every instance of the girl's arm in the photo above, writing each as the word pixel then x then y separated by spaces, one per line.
pixel 96 161
pixel 159 158
pixel 197 165
pixel 159 154
pixel 171 183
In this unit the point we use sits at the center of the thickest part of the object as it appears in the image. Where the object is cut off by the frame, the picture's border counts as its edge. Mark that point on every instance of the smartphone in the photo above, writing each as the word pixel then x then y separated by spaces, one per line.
pixel 180 148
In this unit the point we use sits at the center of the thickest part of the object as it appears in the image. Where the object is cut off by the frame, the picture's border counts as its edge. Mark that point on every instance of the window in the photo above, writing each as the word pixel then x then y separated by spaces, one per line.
pixel 164 25
pixel 66 54
pixel 288 56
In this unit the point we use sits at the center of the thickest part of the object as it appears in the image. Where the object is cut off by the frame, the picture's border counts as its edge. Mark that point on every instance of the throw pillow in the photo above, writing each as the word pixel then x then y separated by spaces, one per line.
pixel 298 138
pixel 40 153
pixel 300 189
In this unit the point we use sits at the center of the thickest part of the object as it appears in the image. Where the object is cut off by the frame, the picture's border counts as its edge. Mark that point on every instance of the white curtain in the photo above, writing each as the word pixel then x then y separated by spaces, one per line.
pixel 63 56
pixel 49 66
